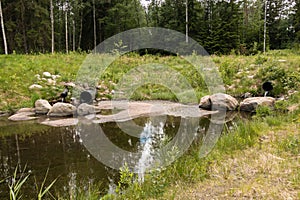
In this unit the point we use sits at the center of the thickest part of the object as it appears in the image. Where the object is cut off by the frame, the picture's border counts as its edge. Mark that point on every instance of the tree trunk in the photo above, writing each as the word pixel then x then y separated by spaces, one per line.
pixel 265 26
pixel 80 32
pixel 74 29
pixel 66 29
pixel 3 30
pixel 24 26
pixel 94 19
pixel 52 26
pixel 186 21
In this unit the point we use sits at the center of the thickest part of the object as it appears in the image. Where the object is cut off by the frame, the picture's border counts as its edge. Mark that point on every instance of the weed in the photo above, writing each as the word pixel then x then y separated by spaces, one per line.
pixel 16 183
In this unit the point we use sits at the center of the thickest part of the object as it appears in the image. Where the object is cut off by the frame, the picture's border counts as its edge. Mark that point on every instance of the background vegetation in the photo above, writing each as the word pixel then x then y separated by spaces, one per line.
pixel 220 26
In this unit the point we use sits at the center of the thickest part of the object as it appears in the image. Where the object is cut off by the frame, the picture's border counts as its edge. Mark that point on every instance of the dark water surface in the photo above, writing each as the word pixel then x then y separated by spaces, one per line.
pixel 61 151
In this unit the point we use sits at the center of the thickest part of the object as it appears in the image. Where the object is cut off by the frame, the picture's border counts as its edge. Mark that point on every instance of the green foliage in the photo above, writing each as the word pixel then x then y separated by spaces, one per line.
pixel 263 111
pixel 126 179
pixel 284 79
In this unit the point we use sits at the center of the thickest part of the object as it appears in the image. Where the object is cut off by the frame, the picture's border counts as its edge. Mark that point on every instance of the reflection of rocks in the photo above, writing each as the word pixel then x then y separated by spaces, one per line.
pixel 219 101
pixel 61 122
pixel 22 116
pixel 221 117
pixel 86 109
pixel 42 106
pixel 250 104
pixel 62 110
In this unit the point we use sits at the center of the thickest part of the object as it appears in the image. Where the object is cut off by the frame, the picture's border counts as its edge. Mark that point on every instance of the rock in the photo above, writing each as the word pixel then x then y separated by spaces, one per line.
pixel 246 95
pixel 38 76
pixel 2 113
pixel 62 110
pixel 51 82
pixel 86 109
pixel 26 110
pixel 22 116
pixel 281 60
pixel 218 101
pixel 250 104
pixel 42 106
pixel 205 102
pixel 35 86
pixel 47 74
pixel 293 108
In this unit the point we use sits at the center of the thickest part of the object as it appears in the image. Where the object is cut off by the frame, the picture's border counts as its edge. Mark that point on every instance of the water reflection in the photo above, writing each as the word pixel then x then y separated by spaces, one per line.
pixel 63 152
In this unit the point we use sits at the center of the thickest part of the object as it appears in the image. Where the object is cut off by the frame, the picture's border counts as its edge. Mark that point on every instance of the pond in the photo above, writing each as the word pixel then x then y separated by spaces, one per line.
pixel 61 150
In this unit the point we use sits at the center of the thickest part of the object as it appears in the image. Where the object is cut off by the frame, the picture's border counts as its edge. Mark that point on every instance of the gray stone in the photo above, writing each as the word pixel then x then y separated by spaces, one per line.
pixel 219 101
pixel 26 110
pixel 35 87
pixel 62 110
pixel 47 74
pixel 250 104
pixel 86 109
pixel 42 106
pixel 22 116
pixel 205 102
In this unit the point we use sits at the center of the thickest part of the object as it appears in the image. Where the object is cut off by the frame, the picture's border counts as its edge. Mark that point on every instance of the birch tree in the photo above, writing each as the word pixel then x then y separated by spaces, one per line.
pixel 3 30
pixel 52 26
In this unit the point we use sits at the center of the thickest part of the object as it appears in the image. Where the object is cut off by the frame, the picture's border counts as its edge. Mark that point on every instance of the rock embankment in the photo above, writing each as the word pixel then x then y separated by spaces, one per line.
pixel 226 102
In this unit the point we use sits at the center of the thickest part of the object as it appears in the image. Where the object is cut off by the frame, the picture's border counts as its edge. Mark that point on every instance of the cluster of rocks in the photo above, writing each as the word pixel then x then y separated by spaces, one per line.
pixel 45 78
pixel 60 109
pixel 222 101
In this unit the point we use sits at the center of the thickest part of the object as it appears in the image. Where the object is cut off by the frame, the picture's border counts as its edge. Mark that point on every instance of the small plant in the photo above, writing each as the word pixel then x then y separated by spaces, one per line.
pixel 44 190
pixel 16 183
pixel 126 179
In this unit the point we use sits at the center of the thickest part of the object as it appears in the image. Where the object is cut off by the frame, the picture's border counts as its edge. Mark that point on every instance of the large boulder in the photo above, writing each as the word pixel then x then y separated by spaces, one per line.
pixel 219 101
pixel 62 110
pixel 250 104
pixel 42 106
pixel 86 109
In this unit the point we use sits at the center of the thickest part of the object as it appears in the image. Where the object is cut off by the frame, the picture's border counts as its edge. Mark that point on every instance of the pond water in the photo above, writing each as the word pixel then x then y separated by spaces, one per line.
pixel 61 150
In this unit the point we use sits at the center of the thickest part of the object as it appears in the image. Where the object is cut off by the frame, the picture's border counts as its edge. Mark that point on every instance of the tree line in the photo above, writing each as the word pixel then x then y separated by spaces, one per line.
pixel 220 26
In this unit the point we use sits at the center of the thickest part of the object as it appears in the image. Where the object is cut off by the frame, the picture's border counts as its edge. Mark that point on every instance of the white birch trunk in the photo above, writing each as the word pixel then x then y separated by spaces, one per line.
pixel 52 26
pixel 3 30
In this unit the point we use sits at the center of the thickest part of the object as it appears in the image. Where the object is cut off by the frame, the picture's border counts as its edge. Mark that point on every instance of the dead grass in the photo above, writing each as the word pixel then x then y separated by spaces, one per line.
pixel 264 171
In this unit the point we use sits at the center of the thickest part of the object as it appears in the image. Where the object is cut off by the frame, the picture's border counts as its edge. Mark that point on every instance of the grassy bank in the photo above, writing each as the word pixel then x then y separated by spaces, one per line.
pixel 240 74
pixel 258 159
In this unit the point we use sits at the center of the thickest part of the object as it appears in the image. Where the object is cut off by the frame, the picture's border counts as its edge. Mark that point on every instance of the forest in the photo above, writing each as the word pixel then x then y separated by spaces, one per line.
pixel 220 26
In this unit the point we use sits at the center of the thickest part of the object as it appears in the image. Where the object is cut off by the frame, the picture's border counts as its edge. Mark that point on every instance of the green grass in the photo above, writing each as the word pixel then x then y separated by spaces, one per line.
pixel 240 74
pixel 17 73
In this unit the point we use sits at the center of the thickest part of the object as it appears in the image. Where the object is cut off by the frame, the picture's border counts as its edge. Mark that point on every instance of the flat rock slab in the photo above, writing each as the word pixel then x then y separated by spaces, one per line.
pixel 125 111
pixel 132 110
pixel 22 116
